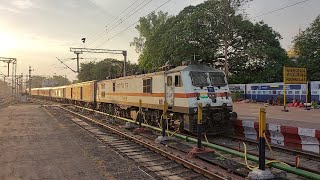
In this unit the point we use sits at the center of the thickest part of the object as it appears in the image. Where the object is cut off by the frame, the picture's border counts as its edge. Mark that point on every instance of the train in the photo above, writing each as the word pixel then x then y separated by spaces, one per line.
pixel 261 92
pixel 183 88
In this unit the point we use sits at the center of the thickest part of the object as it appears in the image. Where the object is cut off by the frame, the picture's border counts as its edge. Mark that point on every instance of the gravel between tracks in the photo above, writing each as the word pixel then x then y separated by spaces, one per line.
pixel 34 145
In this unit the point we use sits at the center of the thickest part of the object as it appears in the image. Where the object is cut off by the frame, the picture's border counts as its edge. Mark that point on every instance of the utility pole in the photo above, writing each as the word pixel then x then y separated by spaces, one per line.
pixel 30 80
pixel 124 53
pixel 8 68
pixel 78 51
pixel 78 66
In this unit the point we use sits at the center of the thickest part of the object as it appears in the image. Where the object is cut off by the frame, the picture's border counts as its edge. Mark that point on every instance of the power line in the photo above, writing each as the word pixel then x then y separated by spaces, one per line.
pixel 114 24
pixel 124 18
pixel 132 24
pixel 276 10
pixel 98 34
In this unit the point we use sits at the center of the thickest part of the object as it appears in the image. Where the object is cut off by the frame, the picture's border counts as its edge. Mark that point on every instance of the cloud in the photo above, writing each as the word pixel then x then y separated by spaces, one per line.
pixel 22 4
pixel 4 8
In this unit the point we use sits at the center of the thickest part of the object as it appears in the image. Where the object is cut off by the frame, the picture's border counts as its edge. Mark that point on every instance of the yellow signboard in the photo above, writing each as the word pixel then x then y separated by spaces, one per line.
pixel 294 75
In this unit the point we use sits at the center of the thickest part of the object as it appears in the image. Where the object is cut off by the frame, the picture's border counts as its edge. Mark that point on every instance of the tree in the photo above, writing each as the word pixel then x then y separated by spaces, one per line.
pixel 105 69
pixel 41 81
pixel 218 35
pixel 147 27
pixel 307 48
pixel 60 80
pixel 36 81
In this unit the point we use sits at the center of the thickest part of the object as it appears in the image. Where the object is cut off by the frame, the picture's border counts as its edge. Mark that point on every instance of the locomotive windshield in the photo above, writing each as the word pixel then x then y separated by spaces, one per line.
pixel 199 79
pixel 217 79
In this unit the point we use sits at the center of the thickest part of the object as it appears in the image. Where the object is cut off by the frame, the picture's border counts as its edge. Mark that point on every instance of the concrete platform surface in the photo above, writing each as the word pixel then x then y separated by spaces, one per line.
pixel 33 145
pixel 296 117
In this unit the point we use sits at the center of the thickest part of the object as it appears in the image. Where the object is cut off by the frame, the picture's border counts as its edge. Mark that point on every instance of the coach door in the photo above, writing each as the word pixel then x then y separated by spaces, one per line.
pixel 170 90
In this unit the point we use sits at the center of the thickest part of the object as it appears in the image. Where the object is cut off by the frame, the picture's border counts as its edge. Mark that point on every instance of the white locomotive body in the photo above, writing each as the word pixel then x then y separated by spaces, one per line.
pixel 183 88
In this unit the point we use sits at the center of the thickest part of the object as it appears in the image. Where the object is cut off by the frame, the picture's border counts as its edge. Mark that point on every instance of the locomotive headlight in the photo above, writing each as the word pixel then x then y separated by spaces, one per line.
pixel 213 97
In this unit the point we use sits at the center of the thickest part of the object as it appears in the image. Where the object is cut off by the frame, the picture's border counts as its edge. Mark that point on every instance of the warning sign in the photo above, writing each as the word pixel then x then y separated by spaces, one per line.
pixel 295 75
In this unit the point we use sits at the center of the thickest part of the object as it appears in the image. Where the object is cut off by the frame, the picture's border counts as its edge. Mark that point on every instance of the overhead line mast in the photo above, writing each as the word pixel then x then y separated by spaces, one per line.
pixel 78 51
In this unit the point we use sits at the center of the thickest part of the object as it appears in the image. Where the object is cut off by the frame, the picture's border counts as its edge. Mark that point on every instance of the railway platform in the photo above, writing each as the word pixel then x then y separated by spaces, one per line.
pixel 36 145
pixel 297 129
pixel 296 117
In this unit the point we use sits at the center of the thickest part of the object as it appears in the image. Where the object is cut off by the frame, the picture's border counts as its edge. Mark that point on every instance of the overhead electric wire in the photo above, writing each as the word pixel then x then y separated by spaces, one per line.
pixel 132 24
pixel 98 34
pixel 123 19
pixel 276 10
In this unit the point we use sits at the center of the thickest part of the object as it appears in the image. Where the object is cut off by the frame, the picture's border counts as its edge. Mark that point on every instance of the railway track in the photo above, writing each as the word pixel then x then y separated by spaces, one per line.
pixel 6 101
pixel 85 110
pixel 159 161
pixel 307 161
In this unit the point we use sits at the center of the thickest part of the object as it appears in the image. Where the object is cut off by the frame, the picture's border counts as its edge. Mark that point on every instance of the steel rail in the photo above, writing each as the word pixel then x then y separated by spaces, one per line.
pixel 287 150
pixel 187 164
pixel 268 157
pixel 277 165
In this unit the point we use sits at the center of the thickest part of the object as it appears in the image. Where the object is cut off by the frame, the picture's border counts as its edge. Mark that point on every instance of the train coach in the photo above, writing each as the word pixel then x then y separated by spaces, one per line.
pixel 261 92
pixel 83 93
pixel 183 88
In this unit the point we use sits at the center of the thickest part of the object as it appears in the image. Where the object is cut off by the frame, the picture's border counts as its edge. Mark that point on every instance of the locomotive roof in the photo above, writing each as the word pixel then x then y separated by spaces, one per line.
pixel 194 67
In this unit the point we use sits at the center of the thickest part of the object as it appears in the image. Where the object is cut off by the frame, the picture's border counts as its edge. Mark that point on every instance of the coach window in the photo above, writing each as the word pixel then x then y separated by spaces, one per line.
pixel 147 85
pixel 71 92
pixel 177 81
pixel 289 92
pixel 169 81
pixel 114 86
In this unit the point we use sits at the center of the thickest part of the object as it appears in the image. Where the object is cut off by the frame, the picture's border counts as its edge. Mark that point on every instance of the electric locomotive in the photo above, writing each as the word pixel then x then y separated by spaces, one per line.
pixel 182 88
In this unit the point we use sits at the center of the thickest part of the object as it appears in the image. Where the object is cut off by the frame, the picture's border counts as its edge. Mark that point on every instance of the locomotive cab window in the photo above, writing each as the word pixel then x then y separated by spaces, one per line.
pixel 217 79
pixel 199 79
pixel 177 81
pixel 147 85
pixel 169 81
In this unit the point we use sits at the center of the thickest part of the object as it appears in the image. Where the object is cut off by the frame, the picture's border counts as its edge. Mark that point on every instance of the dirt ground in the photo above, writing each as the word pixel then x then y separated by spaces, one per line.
pixel 34 145
pixel 297 117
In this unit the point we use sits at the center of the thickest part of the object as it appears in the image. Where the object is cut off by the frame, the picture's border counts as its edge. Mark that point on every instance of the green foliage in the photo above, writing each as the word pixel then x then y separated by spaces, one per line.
pixel 37 81
pixel 237 96
pixel 105 69
pixel 60 80
pixel 307 47
pixel 216 33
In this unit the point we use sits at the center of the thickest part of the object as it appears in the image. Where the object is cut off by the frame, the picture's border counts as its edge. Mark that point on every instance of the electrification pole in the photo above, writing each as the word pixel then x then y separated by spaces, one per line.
pixel 78 51
pixel 30 80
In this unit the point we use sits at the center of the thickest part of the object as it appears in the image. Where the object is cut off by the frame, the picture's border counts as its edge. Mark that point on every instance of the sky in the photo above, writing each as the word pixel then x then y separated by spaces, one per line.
pixel 37 32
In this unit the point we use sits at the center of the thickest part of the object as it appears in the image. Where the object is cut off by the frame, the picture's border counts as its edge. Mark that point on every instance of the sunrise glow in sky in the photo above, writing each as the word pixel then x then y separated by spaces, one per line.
pixel 37 31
